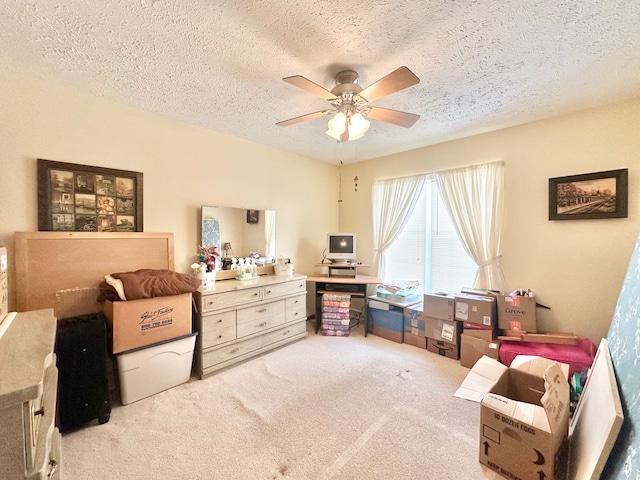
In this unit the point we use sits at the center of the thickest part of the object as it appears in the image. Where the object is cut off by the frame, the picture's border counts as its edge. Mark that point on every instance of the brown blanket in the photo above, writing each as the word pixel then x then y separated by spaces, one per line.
pixel 148 283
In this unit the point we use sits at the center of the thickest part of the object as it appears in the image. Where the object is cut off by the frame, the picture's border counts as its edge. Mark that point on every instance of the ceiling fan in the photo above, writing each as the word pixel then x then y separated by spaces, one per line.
pixel 350 102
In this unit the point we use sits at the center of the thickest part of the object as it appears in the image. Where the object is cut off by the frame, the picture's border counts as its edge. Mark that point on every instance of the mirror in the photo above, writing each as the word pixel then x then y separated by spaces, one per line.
pixel 239 232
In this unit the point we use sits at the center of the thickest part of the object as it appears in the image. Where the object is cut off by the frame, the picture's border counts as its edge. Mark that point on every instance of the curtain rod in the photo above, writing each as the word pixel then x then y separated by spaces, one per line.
pixel 430 174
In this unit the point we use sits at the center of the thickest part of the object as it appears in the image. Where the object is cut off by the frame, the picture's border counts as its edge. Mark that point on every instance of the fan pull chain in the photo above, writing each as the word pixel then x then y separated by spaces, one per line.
pixel 355 179
pixel 340 172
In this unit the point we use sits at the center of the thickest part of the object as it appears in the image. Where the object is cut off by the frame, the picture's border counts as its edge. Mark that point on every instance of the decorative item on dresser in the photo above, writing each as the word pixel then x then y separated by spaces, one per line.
pixel 238 320
pixel 30 441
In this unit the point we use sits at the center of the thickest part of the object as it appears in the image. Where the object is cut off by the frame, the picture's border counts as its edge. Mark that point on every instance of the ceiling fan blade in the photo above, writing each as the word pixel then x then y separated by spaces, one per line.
pixel 402 119
pixel 306 84
pixel 302 118
pixel 399 79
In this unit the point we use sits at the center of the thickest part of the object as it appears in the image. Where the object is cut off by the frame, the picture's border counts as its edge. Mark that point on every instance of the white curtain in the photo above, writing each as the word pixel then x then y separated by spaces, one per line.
pixel 474 197
pixel 393 202
pixel 270 233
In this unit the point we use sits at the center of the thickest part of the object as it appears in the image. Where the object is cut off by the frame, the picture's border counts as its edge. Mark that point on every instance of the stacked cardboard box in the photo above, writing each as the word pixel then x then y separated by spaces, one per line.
pixel 473 348
pixel 517 313
pixel 385 320
pixel 413 326
pixel 442 330
pixel 335 314
pixel 478 312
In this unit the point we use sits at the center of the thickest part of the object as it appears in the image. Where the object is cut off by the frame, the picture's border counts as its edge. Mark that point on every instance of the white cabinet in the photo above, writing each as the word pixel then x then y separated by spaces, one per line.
pixel 238 320
pixel 30 441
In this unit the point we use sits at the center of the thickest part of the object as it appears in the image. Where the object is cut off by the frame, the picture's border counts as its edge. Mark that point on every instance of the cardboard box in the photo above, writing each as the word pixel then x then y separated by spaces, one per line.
pixel 476 309
pixel 414 327
pixel 445 330
pixel 446 349
pixel 385 321
pixel 486 335
pixel 524 415
pixel 137 323
pixel 517 313
pixel 414 312
pixel 415 340
pixel 439 306
pixel 472 349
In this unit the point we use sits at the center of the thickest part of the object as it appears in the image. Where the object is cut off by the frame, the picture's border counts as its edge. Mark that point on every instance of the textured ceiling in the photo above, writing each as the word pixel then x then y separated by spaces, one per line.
pixel 483 64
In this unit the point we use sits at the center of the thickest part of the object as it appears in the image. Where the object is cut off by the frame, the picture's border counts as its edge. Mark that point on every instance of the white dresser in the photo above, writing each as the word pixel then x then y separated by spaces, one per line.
pixel 30 441
pixel 238 320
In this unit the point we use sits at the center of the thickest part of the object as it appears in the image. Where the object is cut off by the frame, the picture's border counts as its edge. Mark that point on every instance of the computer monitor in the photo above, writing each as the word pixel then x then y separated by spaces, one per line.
pixel 341 247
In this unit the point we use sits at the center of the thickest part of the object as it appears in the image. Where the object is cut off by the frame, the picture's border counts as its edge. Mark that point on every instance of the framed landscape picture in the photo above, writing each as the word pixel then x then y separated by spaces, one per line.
pixel 589 196
pixel 83 198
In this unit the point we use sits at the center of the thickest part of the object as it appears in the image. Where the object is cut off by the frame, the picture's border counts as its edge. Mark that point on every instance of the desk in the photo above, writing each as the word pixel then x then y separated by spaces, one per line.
pixel 347 269
pixel 354 286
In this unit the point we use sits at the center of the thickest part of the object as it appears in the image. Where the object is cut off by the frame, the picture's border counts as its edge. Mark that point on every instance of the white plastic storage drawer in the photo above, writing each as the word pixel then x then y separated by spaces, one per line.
pixel 149 370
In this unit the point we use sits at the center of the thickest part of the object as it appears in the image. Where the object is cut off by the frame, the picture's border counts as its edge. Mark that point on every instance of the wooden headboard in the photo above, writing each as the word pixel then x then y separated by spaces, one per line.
pixel 50 262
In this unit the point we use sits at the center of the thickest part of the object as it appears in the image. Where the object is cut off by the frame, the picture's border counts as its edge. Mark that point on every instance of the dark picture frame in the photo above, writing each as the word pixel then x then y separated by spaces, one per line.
pixel 84 198
pixel 253 216
pixel 589 196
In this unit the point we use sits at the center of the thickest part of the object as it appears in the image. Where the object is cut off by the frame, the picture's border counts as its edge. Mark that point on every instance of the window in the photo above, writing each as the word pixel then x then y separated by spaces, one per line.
pixel 428 249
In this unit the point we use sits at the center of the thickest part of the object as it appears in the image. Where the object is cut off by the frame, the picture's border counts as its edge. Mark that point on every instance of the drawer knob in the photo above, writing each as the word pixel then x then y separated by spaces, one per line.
pixel 235 350
pixel 53 466
pixel 262 310
pixel 262 324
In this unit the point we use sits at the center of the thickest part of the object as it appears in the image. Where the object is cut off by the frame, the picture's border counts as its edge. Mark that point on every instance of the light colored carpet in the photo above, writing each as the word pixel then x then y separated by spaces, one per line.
pixel 322 408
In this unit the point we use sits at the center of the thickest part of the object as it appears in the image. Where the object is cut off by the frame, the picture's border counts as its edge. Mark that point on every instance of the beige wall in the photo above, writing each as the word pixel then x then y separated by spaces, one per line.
pixel 574 267
pixel 184 167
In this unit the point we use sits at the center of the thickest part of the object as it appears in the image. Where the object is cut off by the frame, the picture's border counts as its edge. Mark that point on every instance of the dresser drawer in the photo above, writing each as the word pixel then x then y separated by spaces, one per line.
pixel 294 302
pixel 296 308
pixel 42 427
pixel 261 317
pixel 286 332
pixel 229 352
pixel 287 288
pixel 222 300
pixel 296 313
pixel 218 336
pixel 53 470
pixel 216 321
pixel 255 312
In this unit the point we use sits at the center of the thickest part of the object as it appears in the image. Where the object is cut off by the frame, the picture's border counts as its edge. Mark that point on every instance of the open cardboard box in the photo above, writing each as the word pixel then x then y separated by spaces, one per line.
pixel 524 414
pixel 524 417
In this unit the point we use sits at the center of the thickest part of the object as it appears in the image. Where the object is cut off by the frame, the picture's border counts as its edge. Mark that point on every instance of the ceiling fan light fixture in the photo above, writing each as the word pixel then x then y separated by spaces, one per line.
pixel 337 125
pixel 358 125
